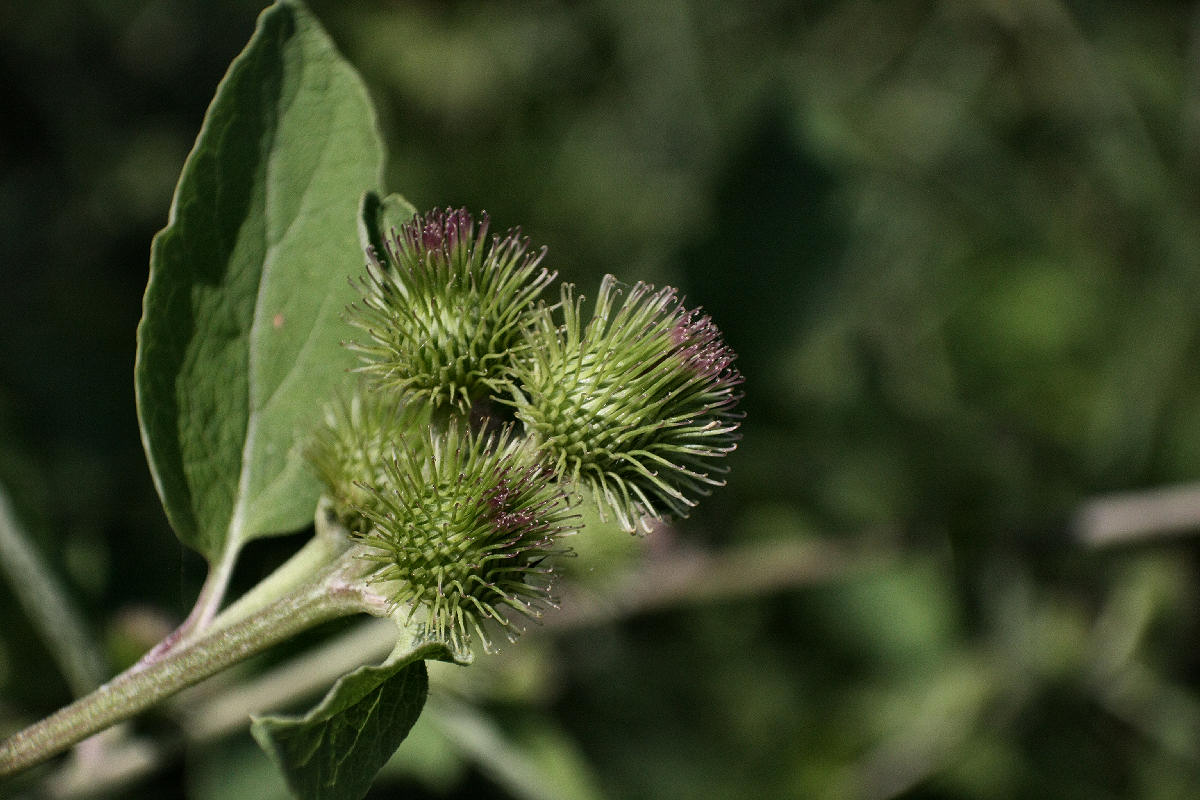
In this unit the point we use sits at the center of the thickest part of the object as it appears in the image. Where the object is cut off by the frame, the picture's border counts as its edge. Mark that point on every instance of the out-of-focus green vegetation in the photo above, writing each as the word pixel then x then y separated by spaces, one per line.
pixel 957 246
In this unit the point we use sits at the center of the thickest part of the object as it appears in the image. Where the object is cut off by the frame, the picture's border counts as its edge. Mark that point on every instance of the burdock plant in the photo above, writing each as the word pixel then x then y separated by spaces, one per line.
pixel 637 403
pixel 352 446
pixel 257 421
pixel 443 307
pixel 464 529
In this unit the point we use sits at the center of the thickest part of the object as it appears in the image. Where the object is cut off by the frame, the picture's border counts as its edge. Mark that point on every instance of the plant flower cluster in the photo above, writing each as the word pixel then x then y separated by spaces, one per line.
pixel 633 404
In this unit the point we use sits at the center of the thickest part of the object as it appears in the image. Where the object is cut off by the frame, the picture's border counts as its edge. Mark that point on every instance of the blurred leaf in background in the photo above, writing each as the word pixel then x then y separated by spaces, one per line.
pixel 957 246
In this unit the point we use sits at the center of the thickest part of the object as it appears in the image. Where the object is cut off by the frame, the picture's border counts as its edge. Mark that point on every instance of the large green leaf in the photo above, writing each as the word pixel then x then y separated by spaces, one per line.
pixel 334 751
pixel 238 347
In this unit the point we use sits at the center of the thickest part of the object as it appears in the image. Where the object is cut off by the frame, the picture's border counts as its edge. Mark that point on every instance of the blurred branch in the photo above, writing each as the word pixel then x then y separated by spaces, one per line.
pixel 1138 516
pixel 1163 712
pixel 942 721
pixel 209 715
pixel 499 755
pixel 676 578
pixel 684 576
pixel 1132 691
pixel 105 763
pixel 216 709
pixel 48 606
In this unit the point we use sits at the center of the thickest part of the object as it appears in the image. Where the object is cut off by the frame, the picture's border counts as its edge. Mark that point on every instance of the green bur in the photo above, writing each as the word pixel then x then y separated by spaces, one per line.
pixel 462 528
pixel 636 405
pixel 444 310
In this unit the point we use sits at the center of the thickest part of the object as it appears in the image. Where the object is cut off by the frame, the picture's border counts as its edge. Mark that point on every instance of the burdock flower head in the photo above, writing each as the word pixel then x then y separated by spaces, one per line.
pixel 637 404
pixel 443 308
pixel 353 446
pixel 462 528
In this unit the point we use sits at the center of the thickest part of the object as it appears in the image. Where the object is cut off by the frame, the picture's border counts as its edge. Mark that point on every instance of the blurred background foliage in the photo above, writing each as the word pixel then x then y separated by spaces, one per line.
pixel 956 245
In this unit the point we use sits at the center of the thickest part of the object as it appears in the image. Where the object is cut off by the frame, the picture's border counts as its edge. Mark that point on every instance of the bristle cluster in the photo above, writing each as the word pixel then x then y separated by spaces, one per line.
pixel 353 445
pixel 443 309
pixel 463 526
pixel 636 404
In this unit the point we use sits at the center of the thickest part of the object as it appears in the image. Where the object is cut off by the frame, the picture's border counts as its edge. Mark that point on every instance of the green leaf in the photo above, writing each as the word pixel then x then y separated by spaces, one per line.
pixel 334 751
pixel 378 216
pixel 238 347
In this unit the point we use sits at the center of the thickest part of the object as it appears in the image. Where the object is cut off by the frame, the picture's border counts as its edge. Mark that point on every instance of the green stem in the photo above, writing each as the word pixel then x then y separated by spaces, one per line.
pixel 339 591
pixel 330 542
pixel 212 593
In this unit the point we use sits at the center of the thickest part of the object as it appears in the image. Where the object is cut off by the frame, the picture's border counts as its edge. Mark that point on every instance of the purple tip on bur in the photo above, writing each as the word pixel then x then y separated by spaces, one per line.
pixel 500 499
pixel 440 229
pixel 698 342
pixel 460 226
pixel 500 496
pixel 432 234
pixel 515 520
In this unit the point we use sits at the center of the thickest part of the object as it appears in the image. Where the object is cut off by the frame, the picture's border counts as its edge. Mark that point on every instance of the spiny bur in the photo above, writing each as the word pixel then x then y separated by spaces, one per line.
pixel 638 403
pixel 352 447
pixel 464 529
pixel 443 309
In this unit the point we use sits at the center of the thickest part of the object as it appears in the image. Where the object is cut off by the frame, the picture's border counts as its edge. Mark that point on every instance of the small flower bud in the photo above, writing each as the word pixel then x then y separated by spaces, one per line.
pixel 351 449
pixel 464 528
pixel 637 404
pixel 443 310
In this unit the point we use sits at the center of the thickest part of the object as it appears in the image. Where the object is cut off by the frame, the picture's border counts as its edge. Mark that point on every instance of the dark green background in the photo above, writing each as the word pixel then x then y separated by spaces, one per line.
pixel 955 244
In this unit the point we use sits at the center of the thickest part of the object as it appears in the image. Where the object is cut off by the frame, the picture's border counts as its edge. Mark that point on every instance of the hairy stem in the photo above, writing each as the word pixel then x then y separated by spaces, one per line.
pixel 330 542
pixel 212 593
pixel 337 591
